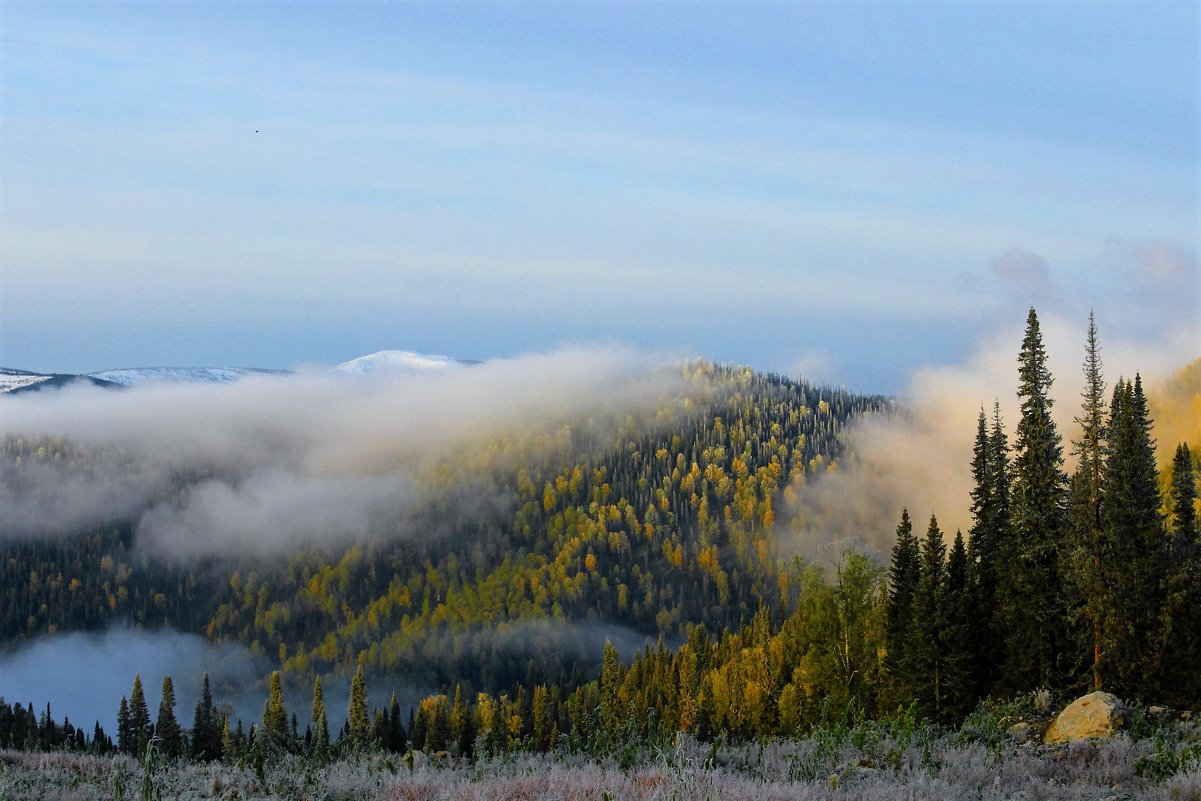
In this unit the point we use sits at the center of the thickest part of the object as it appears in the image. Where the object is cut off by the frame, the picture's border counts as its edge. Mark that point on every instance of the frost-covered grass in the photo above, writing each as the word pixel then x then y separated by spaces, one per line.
pixel 1162 760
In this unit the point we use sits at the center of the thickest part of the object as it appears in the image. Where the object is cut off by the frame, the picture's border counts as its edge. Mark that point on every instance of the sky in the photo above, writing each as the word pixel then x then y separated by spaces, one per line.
pixel 844 191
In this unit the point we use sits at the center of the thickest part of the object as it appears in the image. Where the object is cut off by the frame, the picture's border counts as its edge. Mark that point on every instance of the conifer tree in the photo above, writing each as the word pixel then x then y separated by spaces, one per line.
pixel 958 684
pixel 1183 497
pixel 419 729
pixel 396 731
pixel 902 578
pixel 1133 532
pixel 127 740
pixel 228 747
pixel 206 726
pixel 101 744
pixel 139 716
pixel 437 728
pixel 1180 628
pixel 612 718
pixel 540 711
pixel 275 717
pixel 925 649
pixel 166 728
pixel 359 725
pixel 1030 602
pixel 379 728
pixel 987 539
pixel 320 723
pixel 1085 562
pixel 460 724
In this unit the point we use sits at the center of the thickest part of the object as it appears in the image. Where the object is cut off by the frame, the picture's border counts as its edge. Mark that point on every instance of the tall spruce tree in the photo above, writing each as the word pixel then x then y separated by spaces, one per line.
pixel 612 718
pixel 925 649
pixel 988 537
pixel 275 716
pixel 959 689
pixel 1134 539
pixel 396 729
pixel 206 726
pixel 460 724
pixel 127 740
pixel 1085 561
pixel 166 727
pixel 358 724
pixel 139 717
pixel 898 613
pixel 1031 604
pixel 1180 628
pixel 320 722
pixel 1182 494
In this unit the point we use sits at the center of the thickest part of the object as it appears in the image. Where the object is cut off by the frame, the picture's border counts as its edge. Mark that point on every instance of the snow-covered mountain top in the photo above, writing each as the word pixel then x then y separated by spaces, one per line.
pixel 16 379
pixel 397 361
pixel 144 375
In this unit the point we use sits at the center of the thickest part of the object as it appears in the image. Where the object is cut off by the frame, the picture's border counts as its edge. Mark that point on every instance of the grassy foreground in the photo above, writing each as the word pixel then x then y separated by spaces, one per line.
pixel 1157 758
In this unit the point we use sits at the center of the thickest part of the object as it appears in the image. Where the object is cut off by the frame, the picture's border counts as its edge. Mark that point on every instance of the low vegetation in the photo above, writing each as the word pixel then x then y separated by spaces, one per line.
pixel 1159 757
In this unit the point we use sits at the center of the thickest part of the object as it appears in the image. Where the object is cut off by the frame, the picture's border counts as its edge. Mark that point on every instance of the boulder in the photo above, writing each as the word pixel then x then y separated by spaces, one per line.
pixel 1094 715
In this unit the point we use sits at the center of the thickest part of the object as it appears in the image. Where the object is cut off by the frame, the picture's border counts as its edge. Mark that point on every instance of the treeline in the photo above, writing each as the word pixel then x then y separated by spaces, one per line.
pixel 777 675
pixel 1091 581
pixel 23 729
pixel 653 520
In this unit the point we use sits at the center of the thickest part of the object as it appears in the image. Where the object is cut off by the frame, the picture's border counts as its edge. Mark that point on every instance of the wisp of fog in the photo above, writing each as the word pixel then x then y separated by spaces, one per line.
pixel 313 459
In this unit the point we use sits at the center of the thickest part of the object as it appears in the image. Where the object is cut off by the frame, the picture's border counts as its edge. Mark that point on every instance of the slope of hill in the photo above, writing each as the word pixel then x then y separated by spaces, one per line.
pixel 11 380
pixel 635 524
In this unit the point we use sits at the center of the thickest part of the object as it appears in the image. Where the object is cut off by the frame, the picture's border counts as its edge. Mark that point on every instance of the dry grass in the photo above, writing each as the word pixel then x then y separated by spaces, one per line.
pixel 871 763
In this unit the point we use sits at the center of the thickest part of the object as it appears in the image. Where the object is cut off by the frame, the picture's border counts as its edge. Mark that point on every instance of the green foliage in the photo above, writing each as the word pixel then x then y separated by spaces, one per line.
pixel 358 724
pixel 139 718
pixel 925 664
pixel 903 579
pixel 166 728
pixel 1031 604
pixel 1183 497
pixel 275 716
pixel 206 726
pixel 1134 541
pixel 320 722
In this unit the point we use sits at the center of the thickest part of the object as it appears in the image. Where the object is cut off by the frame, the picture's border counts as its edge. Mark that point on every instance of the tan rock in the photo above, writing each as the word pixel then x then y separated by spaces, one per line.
pixel 1094 715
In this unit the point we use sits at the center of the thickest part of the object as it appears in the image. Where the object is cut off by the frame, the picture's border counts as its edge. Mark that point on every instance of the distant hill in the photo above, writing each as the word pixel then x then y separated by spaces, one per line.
pixel 398 361
pixel 523 551
pixel 134 376
pixel 12 381
pixel 381 362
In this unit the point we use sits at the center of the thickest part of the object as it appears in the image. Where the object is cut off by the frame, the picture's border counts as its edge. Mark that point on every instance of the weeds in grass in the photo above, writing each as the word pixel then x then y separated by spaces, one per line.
pixel 899 757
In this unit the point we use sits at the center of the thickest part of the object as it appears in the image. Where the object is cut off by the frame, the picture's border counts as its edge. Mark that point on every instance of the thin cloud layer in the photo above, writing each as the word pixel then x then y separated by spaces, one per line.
pixel 279 462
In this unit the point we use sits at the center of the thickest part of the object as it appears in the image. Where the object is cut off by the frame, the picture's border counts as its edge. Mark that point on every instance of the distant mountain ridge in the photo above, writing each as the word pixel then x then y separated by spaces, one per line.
pixel 381 362
pixel 25 381
pixel 133 376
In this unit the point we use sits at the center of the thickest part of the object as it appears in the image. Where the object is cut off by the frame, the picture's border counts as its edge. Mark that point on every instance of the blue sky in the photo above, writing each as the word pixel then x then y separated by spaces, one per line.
pixel 848 190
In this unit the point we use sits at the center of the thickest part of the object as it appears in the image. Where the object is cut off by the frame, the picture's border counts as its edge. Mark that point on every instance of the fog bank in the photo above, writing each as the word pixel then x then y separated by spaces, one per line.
pixel 277 462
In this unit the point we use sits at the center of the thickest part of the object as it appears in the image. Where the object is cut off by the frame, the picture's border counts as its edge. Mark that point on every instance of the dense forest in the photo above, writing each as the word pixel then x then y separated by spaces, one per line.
pixel 661 520
pixel 1063 583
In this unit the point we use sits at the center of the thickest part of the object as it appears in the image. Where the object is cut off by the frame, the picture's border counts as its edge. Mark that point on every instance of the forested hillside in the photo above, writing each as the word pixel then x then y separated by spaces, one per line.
pixel 651 520
pixel 659 523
